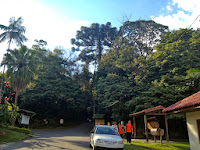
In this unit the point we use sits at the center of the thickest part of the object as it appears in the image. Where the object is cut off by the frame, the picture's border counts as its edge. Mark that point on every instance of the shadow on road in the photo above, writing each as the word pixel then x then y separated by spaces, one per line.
pixel 81 130
pixel 76 138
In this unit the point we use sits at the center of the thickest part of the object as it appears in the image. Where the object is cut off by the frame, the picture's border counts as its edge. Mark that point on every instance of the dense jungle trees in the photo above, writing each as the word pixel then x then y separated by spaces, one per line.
pixel 55 94
pixel 161 78
pixel 141 65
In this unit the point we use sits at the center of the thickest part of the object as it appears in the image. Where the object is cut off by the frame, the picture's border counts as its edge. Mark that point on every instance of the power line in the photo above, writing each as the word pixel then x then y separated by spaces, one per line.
pixel 189 27
pixel 194 21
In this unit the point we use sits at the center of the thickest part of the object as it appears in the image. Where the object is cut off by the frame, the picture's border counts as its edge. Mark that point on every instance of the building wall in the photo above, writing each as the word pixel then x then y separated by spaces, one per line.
pixel 99 122
pixel 192 118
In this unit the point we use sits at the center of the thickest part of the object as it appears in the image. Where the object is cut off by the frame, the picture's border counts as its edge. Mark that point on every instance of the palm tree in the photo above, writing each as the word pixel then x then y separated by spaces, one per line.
pixel 21 68
pixel 13 32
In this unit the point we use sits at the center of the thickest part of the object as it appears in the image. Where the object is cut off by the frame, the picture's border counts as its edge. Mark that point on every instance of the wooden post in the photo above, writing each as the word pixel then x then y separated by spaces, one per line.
pixel 134 127
pixel 154 138
pixel 161 139
pixel 145 125
pixel 167 131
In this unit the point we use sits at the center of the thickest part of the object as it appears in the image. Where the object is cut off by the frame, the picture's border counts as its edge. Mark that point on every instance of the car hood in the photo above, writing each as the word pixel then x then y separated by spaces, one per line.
pixel 107 137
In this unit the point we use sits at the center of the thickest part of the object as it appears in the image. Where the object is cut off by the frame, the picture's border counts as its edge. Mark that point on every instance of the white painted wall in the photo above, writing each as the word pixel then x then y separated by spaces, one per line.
pixel 192 118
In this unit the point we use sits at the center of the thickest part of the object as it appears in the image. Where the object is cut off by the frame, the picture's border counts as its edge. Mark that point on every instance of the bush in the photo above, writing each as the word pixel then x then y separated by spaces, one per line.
pixel 22 130
pixel 8 114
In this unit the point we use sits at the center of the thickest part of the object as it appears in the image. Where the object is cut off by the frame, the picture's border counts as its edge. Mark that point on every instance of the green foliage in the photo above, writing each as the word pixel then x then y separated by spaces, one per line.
pixel 55 94
pixel 21 130
pixel 14 31
pixel 21 66
pixel 162 77
pixel 24 60
pixel 40 44
pixel 142 35
pixel 193 78
pixel 141 65
pixel 8 113
pixel 114 88
pixel 4 115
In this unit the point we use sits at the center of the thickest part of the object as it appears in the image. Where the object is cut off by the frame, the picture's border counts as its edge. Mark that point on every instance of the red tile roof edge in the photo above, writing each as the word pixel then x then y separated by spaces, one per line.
pixel 147 110
pixel 186 102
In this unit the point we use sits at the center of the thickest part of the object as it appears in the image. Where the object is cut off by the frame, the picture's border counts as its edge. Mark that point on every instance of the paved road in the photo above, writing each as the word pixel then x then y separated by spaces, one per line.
pixel 76 138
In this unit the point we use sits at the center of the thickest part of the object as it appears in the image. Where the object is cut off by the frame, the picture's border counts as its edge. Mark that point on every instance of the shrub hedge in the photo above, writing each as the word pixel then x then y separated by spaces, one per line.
pixel 22 130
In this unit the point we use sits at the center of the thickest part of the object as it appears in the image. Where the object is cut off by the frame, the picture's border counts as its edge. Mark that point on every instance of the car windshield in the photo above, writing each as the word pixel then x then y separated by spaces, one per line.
pixel 106 130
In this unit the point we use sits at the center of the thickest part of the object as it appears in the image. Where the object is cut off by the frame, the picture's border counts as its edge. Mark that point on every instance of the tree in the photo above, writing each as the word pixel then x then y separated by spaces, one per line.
pixel 114 91
pixel 40 44
pixel 21 65
pixel 141 34
pixel 92 41
pixel 166 75
pixel 13 32
pixel 172 72
pixel 55 91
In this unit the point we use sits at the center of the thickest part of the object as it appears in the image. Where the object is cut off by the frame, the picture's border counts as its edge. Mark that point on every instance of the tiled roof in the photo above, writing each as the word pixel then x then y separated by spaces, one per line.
pixel 147 110
pixel 28 112
pixel 190 101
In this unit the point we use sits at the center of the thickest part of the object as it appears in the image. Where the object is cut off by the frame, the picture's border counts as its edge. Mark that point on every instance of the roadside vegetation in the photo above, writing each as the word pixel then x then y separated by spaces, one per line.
pixel 157 146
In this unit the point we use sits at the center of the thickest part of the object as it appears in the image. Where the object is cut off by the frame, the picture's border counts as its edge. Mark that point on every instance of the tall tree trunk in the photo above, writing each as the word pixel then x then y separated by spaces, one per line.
pixel 16 97
pixel 100 49
pixel 2 78
pixel 87 65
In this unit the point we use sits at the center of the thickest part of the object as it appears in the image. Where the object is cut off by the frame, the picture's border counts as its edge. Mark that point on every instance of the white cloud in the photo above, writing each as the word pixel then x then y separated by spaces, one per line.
pixel 169 8
pixel 41 22
pixel 188 10
pixel 187 5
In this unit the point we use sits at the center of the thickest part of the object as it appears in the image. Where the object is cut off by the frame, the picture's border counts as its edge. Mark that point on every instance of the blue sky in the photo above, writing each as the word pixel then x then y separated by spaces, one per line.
pixel 102 11
pixel 56 21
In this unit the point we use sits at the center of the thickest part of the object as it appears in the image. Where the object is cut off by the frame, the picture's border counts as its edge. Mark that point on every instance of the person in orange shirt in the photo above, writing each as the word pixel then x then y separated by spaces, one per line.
pixel 120 130
pixel 129 131
pixel 123 127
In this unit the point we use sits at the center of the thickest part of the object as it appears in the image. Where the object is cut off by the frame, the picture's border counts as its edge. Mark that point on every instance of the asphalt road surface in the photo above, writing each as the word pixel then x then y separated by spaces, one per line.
pixel 76 138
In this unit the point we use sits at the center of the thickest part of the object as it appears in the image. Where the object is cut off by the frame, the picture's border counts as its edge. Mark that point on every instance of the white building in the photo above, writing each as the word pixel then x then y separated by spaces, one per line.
pixel 191 106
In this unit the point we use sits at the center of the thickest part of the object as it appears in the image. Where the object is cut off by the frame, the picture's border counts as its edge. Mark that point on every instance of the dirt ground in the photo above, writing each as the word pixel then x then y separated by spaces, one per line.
pixel 76 138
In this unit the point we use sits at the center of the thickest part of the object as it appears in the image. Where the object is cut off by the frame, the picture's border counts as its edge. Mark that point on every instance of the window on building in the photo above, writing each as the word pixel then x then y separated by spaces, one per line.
pixel 198 128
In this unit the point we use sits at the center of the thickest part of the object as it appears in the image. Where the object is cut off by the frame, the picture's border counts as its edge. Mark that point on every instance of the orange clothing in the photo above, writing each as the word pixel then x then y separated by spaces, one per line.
pixel 129 128
pixel 120 130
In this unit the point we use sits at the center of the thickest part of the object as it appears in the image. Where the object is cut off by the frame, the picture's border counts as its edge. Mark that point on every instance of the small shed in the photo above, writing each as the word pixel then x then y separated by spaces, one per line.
pixel 26 115
pixel 191 107
pixel 148 114
pixel 99 119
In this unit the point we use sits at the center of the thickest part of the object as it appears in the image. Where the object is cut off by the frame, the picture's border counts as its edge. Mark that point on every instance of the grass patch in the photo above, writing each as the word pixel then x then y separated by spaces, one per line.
pixel 157 146
pixel 21 130
pixel 7 135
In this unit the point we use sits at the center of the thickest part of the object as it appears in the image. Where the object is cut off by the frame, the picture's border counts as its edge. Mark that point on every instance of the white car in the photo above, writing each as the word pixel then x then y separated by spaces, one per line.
pixel 103 136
